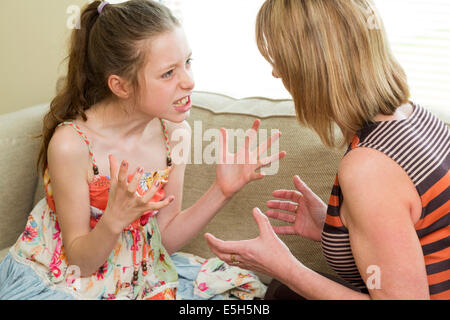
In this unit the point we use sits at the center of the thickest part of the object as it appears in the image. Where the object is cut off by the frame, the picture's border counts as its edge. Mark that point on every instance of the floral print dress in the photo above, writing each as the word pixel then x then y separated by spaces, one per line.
pixel 138 267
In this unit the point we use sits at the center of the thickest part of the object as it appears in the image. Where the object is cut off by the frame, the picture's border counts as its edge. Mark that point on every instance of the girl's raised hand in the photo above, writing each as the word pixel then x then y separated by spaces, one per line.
pixel 235 170
pixel 125 205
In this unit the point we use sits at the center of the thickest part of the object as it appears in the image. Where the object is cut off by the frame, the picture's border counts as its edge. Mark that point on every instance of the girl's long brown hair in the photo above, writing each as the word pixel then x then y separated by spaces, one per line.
pixel 113 42
pixel 334 58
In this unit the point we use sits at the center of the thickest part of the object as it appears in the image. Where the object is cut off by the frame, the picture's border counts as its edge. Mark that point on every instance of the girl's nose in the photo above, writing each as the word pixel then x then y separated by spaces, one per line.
pixel 187 82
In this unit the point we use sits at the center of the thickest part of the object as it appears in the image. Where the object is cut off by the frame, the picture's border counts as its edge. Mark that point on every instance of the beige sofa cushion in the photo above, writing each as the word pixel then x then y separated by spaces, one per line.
pixel 18 153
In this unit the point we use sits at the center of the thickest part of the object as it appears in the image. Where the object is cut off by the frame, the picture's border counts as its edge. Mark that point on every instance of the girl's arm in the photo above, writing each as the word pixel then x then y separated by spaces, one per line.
pixel 88 249
pixel 68 164
pixel 179 227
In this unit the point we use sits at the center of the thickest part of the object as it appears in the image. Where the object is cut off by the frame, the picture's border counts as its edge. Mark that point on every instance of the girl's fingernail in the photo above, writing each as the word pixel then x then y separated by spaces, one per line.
pixel 157 184
pixel 171 199
pixel 124 163
pixel 140 170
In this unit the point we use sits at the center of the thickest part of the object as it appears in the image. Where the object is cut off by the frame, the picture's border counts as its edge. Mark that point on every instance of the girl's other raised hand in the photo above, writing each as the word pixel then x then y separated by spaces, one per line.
pixel 125 205
pixel 235 170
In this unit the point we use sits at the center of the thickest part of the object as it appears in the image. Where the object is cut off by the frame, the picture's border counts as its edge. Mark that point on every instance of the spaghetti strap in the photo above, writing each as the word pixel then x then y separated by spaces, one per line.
pixel 81 133
pixel 166 142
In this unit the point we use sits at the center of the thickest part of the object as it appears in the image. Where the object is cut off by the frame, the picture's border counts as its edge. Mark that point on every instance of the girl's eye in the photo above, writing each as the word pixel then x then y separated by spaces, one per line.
pixel 189 61
pixel 167 74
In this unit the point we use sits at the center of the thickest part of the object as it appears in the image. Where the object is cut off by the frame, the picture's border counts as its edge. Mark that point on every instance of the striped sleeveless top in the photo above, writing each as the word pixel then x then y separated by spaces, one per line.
pixel 421 146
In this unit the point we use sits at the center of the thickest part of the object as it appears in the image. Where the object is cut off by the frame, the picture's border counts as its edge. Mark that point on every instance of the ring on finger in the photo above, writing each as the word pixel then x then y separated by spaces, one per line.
pixel 233 259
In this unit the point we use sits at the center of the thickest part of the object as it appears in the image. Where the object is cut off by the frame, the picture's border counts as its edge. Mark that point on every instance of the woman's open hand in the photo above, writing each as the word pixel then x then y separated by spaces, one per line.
pixel 125 205
pixel 303 210
pixel 266 253
pixel 235 170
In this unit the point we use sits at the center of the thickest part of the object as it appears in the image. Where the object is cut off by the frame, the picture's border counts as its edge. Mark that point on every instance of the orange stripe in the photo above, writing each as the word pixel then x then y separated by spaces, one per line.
pixel 436 189
pixel 336 182
pixel 435 236
pixel 433 216
pixel 438 277
pixel 438 256
pixel 441 296
pixel 334 201
pixel 333 221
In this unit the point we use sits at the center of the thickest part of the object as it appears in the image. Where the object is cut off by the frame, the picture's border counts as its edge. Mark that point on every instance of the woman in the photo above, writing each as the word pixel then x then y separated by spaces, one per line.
pixel 385 230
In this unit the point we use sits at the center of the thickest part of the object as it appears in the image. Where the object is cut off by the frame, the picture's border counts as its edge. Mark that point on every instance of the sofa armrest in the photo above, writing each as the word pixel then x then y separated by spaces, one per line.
pixel 18 155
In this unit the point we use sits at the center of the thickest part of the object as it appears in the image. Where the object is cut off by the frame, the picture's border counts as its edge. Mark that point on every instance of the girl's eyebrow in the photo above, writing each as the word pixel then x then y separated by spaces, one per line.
pixel 175 64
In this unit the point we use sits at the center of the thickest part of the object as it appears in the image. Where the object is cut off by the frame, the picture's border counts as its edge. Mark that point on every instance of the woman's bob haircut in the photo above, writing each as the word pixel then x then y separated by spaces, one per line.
pixel 334 58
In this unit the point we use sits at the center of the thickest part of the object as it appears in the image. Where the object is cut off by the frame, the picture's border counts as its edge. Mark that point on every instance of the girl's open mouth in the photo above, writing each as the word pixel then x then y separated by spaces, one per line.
pixel 183 105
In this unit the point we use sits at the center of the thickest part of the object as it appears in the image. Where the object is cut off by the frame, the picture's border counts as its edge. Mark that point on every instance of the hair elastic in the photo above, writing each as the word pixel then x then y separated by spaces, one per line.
pixel 101 6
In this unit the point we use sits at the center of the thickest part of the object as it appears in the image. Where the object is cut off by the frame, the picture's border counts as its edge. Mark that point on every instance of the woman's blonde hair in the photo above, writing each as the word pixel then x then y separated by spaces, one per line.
pixel 334 58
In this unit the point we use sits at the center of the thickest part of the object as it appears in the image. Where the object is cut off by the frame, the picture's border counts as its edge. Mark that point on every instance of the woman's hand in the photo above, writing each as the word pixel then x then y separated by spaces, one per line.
pixel 266 253
pixel 125 205
pixel 234 171
pixel 305 211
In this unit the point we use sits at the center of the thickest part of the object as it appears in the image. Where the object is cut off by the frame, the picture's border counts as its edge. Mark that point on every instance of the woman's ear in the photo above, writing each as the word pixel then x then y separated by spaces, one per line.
pixel 119 86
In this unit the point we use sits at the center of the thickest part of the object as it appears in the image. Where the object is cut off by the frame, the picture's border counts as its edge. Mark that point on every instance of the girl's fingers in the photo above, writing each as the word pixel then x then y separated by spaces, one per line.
pixel 251 135
pixel 223 142
pixel 281 216
pixel 151 192
pixel 266 145
pixel 112 167
pixel 160 204
pixel 133 184
pixel 268 160
pixel 123 170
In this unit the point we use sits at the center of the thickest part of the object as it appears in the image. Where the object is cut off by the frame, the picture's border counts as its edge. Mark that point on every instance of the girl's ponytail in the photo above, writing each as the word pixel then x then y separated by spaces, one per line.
pixel 106 43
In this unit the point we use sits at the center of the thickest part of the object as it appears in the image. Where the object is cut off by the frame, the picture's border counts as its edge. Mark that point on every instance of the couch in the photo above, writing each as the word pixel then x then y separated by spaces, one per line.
pixel 21 187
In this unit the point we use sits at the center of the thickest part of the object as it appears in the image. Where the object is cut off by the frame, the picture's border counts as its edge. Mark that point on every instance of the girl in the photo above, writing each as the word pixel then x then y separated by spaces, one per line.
pixel 386 227
pixel 102 233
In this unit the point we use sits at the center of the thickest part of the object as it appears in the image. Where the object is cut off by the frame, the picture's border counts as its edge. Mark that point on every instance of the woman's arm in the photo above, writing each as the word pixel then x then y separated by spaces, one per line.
pixel 379 202
pixel 380 208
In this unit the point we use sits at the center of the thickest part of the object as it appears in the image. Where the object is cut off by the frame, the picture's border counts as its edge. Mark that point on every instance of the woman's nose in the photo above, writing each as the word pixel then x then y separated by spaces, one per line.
pixel 274 74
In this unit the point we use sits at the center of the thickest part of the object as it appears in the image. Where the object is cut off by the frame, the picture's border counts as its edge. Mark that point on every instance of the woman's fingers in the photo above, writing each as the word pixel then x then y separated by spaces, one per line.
pixel 292 195
pixel 287 217
pixel 284 230
pixel 282 205
pixel 221 246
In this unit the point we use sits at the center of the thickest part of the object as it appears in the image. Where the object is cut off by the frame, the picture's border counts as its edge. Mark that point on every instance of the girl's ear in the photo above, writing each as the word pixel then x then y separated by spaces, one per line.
pixel 119 86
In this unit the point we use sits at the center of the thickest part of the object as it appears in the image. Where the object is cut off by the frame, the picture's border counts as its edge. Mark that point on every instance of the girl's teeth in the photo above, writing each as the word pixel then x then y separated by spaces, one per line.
pixel 182 102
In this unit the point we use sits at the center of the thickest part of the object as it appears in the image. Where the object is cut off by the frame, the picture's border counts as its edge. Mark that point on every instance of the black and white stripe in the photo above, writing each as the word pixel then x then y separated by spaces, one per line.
pixel 418 144
pixel 338 253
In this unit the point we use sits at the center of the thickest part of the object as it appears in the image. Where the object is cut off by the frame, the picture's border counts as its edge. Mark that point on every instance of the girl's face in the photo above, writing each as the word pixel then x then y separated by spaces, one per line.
pixel 167 77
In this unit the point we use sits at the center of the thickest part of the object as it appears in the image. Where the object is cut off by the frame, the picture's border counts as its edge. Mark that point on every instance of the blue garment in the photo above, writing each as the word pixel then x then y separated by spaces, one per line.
pixel 20 282
pixel 187 274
